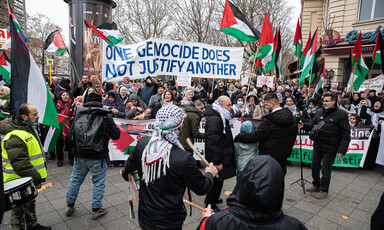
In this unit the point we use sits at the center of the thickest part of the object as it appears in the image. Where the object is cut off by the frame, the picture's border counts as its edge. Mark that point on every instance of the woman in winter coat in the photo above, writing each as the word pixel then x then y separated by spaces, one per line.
pixel 347 106
pixel 64 107
pixel 64 85
pixel 238 105
pixel 355 99
pixel 256 201
pixel 260 110
pixel 124 94
pixel 115 104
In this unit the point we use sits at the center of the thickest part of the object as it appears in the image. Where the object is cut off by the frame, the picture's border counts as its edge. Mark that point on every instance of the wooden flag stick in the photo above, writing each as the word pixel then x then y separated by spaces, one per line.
pixel 189 142
pixel 194 205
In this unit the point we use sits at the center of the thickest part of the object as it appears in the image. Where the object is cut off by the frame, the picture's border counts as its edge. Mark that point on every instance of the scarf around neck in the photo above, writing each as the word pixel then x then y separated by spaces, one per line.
pixel 156 155
pixel 224 114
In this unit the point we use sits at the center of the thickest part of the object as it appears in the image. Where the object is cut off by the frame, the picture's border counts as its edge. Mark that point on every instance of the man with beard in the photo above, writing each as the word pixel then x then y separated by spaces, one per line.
pixel 276 133
pixel 219 147
pixel 220 90
pixel 23 156
pixel 332 140
pixel 82 86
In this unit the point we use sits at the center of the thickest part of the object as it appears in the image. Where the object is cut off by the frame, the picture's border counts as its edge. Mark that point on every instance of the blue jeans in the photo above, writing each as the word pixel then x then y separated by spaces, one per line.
pixel 98 169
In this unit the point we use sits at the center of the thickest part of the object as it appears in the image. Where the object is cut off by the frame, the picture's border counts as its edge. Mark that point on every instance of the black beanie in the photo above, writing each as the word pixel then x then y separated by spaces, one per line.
pixel 94 97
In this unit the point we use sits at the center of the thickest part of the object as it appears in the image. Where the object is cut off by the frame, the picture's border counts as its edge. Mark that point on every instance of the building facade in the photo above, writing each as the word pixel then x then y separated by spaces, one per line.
pixel 339 23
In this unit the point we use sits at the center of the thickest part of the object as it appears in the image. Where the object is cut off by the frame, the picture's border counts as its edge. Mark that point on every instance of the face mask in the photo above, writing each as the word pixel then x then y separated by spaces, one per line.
pixel 240 103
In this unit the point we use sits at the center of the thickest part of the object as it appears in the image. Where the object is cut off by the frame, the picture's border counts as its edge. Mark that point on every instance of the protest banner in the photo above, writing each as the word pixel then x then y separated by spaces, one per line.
pixel 133 130
pixel 166 57
pixel 375 83
pixel 245 78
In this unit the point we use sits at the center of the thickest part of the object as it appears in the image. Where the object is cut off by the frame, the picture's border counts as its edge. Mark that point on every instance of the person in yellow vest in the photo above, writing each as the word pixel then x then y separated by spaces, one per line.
pixel 22 152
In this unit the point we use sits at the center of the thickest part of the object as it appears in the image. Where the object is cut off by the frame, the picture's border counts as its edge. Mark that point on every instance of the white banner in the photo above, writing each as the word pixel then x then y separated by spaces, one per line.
pixel 264 80
pixel 166 57
pixel 376 84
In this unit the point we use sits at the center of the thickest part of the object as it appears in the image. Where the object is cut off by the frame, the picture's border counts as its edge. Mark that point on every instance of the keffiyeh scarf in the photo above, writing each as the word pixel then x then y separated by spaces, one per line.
pixel 155 159
pixel 224 114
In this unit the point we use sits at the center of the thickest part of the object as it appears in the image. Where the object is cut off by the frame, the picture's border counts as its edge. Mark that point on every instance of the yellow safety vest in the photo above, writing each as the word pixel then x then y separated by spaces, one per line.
pixel 36 156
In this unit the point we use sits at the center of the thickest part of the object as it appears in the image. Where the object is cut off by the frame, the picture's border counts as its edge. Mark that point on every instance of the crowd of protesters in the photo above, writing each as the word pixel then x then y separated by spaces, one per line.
pixel 138 103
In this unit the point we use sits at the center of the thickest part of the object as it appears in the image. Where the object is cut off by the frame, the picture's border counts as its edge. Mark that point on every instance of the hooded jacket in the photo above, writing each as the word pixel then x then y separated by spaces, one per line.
pixel 117 104
pixel 219 147
pixel 191 126
pixel 129 113
pixel 276 135
pixel 256 201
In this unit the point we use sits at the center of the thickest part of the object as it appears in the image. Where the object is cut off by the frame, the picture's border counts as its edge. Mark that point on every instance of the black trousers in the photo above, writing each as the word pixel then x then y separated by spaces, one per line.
pixel 60 149
pixel 326 169
pixel 213 196
pixel 144 226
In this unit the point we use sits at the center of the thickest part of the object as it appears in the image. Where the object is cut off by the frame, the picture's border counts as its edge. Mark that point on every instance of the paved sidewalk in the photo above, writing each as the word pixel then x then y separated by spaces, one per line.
pixel 354 194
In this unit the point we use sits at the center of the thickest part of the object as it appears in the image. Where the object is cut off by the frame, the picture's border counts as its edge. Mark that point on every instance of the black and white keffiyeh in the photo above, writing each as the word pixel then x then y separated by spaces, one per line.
pixel 155 159
pixel 224 114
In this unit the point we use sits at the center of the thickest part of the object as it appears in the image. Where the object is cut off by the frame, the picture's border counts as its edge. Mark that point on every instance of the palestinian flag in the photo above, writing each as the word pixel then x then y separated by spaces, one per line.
pixel 297 41
pixel 302 58
pixel 264 60
pixel 378 52
pixel 347 69
pixel 53 134
pixel 320 82
pixel 235 24
pixel 5 67
pixel 55 43
pixel 28 85
pixel 107 31
pixel 277 54
pixel 315 69
pixel 310 57
pixel 359 68
pixel 16 23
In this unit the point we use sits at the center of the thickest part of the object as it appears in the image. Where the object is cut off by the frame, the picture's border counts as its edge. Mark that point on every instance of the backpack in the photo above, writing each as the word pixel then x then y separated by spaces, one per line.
pixel 89 130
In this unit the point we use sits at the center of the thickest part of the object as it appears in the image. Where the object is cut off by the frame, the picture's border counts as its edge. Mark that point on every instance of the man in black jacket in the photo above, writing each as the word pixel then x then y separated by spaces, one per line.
pixel 94 162
pixel 276 133
pixel 165 170
pixel 332 140
pixel 82 86
pixel 219 147
pixel 255 202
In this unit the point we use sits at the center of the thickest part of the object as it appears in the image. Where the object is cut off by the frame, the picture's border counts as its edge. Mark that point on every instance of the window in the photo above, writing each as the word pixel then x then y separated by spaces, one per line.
pixel 371 9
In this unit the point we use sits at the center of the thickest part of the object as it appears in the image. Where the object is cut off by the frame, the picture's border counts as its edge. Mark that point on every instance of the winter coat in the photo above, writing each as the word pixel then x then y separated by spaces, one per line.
pixel 191 126
pixel 219 147
pixel 80 91
pixel 17 150
pixel 155 99
pixel 129 113
pixel 146 92
pixel 256 201
pixel 334 136
pixel 276 135
pixel 260 111
pixel 217 93
pixel 244 153
pixel 201 93
pixel 117 104
pixel 112 131
pixel 161 202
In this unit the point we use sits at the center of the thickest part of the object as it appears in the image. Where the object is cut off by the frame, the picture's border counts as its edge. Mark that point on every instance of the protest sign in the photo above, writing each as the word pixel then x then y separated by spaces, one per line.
pixel 133 130
pixel 184 79
pixel 376 84
pixel 166 57
pixel 245 78
pixel 264 80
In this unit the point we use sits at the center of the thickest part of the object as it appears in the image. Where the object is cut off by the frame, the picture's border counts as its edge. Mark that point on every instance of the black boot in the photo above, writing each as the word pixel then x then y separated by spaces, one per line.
pixel 40 227
pixel 60 163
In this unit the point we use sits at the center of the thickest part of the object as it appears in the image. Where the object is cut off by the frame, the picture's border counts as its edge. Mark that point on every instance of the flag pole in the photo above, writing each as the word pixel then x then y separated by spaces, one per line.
pixel 252 70
pixel 369 82
pixel 214 75
pixel 73 65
